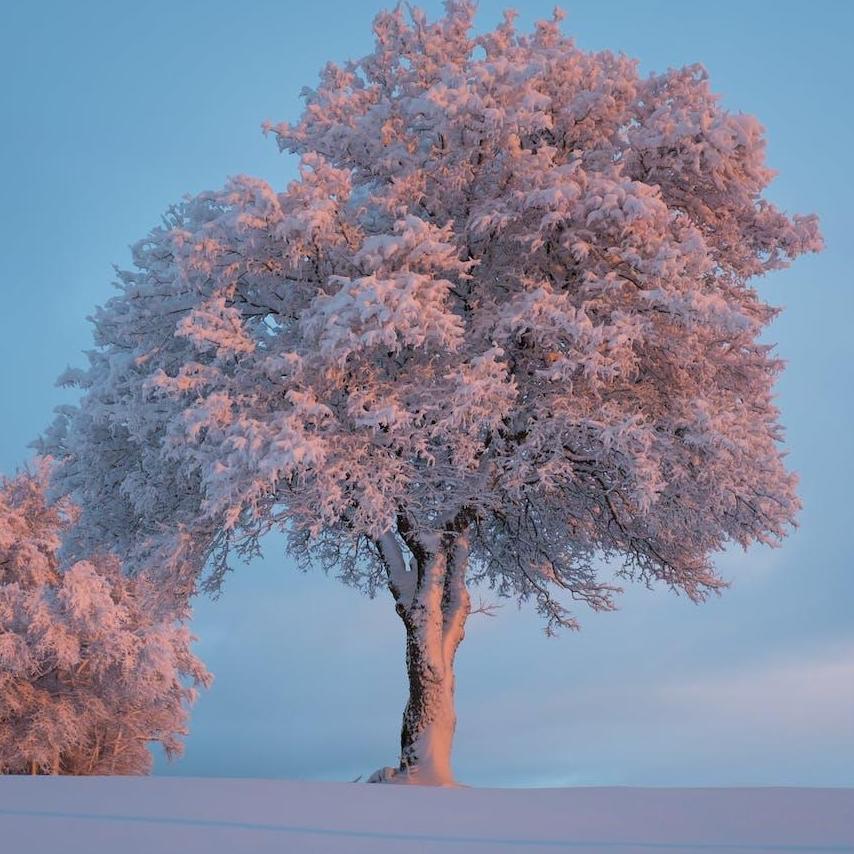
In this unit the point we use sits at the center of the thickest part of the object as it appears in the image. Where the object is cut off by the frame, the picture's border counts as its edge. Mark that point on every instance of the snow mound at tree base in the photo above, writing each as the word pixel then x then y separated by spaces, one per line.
pixel 101 815
pixel 406 778
pixel 386 775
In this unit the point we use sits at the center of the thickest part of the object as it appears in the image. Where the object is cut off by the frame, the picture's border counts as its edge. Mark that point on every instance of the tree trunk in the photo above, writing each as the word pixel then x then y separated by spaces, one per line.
pixel 429 719
pixel 434 620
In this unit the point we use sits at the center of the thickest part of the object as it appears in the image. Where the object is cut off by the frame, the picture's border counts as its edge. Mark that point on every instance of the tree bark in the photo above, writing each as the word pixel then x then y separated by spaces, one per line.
pixel 434 620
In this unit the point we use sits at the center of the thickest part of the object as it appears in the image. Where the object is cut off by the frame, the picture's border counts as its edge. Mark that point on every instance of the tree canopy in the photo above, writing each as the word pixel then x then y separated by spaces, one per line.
pixel 512 284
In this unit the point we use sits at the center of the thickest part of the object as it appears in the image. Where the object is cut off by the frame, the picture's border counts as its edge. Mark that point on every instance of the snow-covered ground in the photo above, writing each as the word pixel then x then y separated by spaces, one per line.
pixel 122 815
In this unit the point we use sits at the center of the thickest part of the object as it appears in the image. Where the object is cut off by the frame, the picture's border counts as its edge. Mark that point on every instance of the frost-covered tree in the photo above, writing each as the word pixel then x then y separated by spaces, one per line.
pixel 501 329
pixel 90 672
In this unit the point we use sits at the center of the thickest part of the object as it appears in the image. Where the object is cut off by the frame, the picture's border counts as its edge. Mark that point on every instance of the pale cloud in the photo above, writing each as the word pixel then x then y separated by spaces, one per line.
pixel 796 696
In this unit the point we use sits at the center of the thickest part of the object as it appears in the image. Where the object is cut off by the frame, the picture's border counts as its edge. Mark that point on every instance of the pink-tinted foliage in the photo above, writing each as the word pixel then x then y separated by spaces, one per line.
pixel 90 672
pixel 509 301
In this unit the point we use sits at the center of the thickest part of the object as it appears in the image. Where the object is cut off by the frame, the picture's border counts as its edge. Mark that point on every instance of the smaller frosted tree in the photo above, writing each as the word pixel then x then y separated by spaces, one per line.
pixel 91 671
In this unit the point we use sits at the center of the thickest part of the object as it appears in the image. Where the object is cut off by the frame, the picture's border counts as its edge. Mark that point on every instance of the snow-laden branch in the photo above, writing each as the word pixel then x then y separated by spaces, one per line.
pixel 456 602
pixel 401 581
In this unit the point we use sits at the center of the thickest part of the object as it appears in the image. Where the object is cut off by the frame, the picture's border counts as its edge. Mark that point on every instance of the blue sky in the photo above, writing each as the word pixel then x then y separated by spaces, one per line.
pixel 112 110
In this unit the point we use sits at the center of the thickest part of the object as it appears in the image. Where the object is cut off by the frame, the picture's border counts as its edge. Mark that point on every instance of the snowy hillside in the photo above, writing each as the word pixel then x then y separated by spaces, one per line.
pixel 219 816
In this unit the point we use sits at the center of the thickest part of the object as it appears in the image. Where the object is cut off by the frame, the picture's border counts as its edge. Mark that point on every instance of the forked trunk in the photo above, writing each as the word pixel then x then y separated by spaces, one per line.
pixel 434 620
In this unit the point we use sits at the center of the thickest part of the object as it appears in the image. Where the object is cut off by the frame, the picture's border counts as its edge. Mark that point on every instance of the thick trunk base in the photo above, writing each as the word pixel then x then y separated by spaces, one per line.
pixel 409 777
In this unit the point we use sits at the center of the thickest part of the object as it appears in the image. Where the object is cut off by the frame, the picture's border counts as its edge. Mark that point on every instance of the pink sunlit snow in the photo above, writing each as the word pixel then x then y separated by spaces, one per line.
pixel 217 816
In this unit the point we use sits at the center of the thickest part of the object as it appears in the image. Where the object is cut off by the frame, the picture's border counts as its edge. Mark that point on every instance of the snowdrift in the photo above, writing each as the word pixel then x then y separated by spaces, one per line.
pixel 99 815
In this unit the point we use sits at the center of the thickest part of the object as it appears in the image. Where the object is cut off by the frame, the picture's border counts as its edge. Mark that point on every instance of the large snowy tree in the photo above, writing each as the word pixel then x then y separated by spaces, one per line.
pixel 91 670
pixel 501 330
